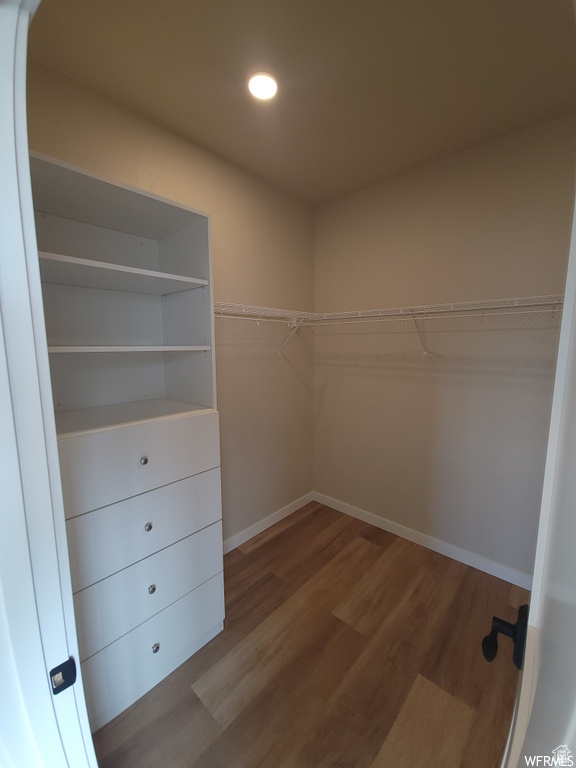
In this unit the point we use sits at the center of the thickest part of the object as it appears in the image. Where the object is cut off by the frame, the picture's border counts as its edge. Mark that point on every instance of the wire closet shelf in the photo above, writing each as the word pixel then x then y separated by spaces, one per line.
pixel 296 319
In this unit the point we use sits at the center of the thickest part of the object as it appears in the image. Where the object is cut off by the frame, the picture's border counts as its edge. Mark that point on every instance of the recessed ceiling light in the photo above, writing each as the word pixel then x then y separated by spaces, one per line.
pixel 262 86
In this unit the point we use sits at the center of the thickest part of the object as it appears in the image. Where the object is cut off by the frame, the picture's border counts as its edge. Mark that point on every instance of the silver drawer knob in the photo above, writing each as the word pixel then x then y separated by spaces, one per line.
pixel 155 647
pixel 151 589
pixel 148 527
pixel 144 460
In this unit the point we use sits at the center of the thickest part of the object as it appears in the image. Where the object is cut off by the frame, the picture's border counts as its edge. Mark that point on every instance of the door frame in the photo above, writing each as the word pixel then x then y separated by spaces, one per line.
pixel 36 606
pixel 551 513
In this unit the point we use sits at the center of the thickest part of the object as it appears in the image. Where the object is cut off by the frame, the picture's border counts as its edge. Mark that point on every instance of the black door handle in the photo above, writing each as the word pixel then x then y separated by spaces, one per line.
pixel 516 631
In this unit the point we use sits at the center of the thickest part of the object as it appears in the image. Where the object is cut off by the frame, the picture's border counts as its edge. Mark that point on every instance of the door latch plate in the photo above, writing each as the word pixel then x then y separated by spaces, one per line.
pixel 63 676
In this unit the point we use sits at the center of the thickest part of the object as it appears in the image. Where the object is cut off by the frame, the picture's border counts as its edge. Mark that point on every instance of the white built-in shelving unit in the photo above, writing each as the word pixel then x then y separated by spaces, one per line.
pixel 128 305
pixel 127 295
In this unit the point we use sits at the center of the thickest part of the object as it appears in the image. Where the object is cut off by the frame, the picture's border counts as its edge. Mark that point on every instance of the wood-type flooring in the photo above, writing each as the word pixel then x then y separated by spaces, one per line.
pixel 345 646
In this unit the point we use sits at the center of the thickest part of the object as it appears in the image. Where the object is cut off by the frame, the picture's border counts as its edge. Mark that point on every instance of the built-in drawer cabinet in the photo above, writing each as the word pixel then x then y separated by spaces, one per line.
pixel 125 670
pixel 102 467
pixel 112 607
pixel 145 543
pixel 109 539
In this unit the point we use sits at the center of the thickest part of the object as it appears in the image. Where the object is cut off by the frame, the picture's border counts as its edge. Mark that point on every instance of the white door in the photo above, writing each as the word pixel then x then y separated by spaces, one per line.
pixel 37 630
pixel 545 725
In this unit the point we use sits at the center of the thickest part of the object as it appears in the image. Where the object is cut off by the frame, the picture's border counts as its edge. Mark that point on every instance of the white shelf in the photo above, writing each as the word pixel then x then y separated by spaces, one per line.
pixel 117 348
pixel 76 194
pixel 296 318
pixel 98 418
pixel 86 273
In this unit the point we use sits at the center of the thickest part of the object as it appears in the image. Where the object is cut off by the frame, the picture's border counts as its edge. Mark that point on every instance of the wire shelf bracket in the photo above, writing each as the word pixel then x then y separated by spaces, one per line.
pixel 425 351
pixel 295 325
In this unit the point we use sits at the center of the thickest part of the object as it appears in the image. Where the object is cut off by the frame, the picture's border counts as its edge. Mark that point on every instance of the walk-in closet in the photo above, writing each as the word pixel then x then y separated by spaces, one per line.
pixel 296 366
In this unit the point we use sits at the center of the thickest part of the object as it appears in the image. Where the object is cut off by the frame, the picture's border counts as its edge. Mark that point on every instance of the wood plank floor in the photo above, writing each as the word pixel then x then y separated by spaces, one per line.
pixel 343 646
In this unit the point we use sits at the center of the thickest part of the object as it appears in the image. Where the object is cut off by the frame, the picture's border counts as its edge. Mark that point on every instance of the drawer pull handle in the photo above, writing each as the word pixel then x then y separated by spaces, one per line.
pixel 148 527
pixel 155 647
pixel 151 589
pixel 144 460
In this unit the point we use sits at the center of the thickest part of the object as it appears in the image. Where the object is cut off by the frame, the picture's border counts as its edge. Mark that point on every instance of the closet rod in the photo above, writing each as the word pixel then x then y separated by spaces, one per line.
pixel 467 308
pixel 435 316
pixel 296 319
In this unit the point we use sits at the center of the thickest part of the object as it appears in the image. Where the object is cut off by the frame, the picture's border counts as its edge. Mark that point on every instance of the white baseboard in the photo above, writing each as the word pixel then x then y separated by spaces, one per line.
pixel 262 525
pixel 437 545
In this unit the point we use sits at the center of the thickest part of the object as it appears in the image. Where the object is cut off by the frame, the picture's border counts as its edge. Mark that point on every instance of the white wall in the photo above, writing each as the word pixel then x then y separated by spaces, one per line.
pixel 451 445
pixel 262 244
pixel 491 222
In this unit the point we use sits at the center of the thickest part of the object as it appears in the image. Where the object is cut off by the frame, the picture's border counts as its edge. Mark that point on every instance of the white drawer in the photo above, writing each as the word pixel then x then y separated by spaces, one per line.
pixel 99 468
pixel 127 669
pixel 109 539
pixel 112 607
